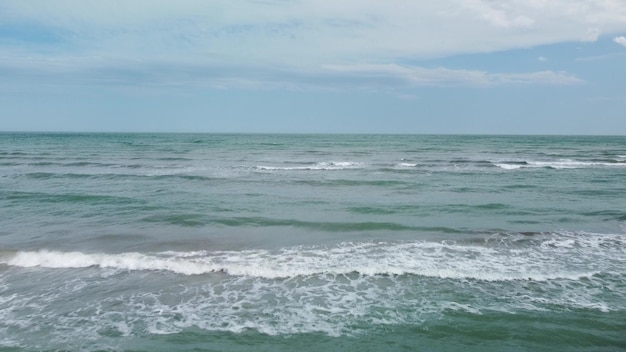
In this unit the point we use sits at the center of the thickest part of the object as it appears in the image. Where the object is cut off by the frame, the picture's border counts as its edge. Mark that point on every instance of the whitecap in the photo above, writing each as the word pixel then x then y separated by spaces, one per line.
pixel 508 166
pixel 320 166
pixel 556 164
pixel 508 258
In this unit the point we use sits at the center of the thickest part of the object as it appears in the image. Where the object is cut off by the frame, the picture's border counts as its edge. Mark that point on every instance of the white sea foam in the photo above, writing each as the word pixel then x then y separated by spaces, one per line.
pixel 124 261
pixel 556 164
pixel 331 290
pixel 335 165
pixel 508 166
pixel 491 261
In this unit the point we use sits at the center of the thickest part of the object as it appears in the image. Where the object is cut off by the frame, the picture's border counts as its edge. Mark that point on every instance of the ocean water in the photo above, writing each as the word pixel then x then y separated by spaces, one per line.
pixel 215 242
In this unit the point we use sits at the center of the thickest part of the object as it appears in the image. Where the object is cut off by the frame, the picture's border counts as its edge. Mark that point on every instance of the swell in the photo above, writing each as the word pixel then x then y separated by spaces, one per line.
pixel 114 176
pixel 197 219
pixel 68 198
pixel 355 183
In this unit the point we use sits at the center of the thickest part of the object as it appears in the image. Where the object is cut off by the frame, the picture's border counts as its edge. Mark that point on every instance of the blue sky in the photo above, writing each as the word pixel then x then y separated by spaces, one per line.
pixel 366 66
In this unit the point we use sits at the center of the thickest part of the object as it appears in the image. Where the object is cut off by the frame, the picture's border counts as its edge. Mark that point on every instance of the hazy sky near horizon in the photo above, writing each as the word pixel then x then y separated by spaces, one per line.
pixel 366 66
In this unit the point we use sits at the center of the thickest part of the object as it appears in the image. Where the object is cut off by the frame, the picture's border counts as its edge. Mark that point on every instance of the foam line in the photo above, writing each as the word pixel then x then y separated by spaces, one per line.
pixel 509 258
pixel 560 164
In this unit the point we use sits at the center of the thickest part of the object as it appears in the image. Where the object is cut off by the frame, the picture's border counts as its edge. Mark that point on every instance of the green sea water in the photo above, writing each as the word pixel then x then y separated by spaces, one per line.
pixel 216 242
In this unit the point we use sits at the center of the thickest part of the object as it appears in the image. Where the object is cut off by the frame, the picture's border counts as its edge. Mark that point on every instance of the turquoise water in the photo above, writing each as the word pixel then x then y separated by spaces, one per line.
pixel 221 242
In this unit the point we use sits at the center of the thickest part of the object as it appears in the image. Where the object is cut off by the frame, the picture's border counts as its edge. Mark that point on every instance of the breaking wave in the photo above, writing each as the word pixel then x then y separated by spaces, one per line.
pixel 559 164
pixel 336 165
pixel 495 258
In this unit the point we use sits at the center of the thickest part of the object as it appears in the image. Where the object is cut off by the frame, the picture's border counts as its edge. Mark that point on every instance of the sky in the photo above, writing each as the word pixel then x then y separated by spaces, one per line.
pixel 314 66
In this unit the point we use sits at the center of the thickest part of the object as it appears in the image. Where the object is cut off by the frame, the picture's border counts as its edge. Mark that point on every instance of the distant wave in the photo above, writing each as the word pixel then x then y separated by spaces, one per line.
pixel 558 164
pixel 336 165
pixel 523 256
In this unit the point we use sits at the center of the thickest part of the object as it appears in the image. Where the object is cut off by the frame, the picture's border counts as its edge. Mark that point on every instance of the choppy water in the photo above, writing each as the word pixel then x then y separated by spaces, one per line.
pixel 312 242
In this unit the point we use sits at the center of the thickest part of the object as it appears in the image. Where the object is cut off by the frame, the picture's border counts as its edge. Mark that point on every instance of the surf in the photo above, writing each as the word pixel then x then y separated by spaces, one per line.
pixel 493 258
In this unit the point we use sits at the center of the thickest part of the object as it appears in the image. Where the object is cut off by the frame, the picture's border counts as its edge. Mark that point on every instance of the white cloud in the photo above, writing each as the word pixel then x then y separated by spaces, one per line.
pixel 499 15
pixel 414 75
pixel 540 77
pixel 314 32
pixel 620 40
pixel 157 75
pixel 591 35
pixel 307 40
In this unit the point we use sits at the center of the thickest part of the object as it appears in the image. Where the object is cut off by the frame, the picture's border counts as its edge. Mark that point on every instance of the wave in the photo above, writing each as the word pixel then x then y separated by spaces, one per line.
pixel 558 164
pixel 353 183
pixel 336 165
pixel 70 198
pixel 197 219
pixel 523 256
pixel 513 164
pixel 174 174
pixel 344 290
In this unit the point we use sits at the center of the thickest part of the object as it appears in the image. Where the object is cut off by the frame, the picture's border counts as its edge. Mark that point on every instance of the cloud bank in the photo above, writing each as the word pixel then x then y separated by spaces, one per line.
pixel 259 42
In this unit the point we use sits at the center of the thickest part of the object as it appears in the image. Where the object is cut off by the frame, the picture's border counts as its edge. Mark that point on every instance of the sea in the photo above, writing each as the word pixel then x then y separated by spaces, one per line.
pixel 295 242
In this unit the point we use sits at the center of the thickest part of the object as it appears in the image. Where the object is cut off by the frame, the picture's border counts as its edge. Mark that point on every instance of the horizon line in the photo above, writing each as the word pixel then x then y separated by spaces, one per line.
pixel 317 133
